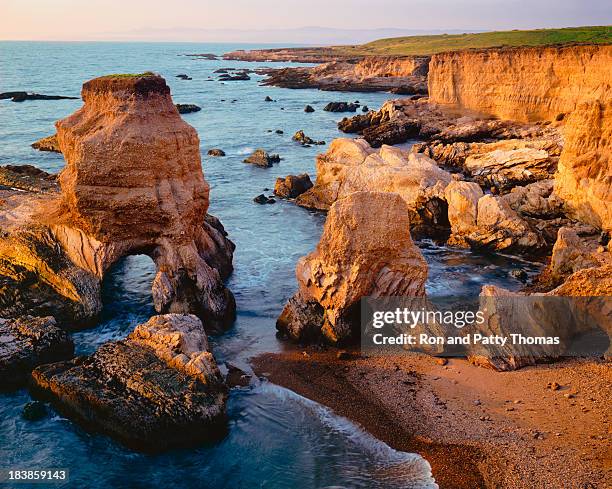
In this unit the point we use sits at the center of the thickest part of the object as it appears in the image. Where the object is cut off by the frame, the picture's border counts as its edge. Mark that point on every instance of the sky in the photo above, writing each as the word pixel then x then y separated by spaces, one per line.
pixel 269 20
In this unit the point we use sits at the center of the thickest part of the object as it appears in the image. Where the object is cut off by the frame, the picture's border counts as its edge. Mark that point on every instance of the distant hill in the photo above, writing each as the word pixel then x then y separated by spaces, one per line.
pixel 431 44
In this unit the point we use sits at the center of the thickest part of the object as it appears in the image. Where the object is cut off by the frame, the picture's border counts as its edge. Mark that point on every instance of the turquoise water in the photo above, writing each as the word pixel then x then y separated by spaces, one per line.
pixel 276 438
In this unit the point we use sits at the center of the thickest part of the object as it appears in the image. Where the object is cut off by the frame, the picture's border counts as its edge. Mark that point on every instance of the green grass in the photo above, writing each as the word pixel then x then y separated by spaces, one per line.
pixel 412 45
pixel 129 75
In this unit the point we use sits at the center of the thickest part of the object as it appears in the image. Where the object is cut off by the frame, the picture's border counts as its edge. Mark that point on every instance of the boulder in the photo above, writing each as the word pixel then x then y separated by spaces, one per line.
pixel 341 107
pixel 292 186
pixel 304 140
pixel 26 343
pixel 159 388
pixel 353 165
pixel 365 250
pixel 216 152
pixel 308 109
pixel 576 248
pixel 48 143
pixel 261 158
pixel 187 108
pixel 262 199
pixel 501 228
pixel 462 199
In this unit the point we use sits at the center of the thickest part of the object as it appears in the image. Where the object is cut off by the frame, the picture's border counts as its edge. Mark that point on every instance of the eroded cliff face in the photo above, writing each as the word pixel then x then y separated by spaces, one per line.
pixel 584 176
pixel 133 183
pixel 521 83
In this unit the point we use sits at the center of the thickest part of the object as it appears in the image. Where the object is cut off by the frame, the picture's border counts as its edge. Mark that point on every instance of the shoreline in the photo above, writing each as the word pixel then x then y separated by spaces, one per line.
pixel 476 427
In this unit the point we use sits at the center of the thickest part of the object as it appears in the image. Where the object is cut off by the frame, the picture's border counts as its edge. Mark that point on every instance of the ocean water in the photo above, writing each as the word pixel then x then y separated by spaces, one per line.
pixel 276 438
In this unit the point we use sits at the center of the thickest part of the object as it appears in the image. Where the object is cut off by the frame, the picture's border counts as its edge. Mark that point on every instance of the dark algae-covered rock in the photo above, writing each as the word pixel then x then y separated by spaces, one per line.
pixel 158 388
pixel 27 342
pixel 187 108
pixel 34 411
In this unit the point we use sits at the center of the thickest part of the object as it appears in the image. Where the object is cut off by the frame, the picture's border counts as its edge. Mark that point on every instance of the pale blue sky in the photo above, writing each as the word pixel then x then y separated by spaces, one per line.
pixel 209 20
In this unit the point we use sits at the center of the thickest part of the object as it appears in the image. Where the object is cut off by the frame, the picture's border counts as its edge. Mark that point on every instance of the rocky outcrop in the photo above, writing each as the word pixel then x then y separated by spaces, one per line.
pixel 187 108
pixel 402 119
pixel 527 83
pixel 341 107
pixel 48 143
pixel 26 343
pixel 406 75
pixel 260 157
pixel 157 389
pixel 584 178
pixel 304 140
pixel 292 186
pixel 352 165
pixel 133 183
pixel 23 96
pixel 27 178
pixel 365 250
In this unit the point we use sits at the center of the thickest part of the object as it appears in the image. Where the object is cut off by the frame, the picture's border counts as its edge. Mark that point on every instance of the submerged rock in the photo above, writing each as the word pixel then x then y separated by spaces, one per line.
pixel 308 109
pixel 292 186
pixel 34 411
pixel 158 388
pixel 48 143
pixel 27 342
pixel 261 158
pixel 365 250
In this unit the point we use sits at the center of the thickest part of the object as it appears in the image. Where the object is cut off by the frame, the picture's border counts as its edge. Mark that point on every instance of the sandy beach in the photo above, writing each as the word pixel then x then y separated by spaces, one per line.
pixel 476 427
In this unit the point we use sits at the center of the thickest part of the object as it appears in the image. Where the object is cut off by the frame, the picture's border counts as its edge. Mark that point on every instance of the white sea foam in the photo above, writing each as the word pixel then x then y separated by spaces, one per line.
pixel 416 469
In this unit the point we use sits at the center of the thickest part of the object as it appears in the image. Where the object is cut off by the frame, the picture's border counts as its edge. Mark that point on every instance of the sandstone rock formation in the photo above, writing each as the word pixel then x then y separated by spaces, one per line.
pixel 501 228
pixel 526 83
pixel 365 250
pixel 158 388
pixel 133 183
pixel 462 199
pixel 402 119
pixel 407 75
pixel 352 165
pixel 26 343
pixel 292 186
pixel 584 178
pixel 576 248
pixel 48 143
pixel 506 169
pixel 36 276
